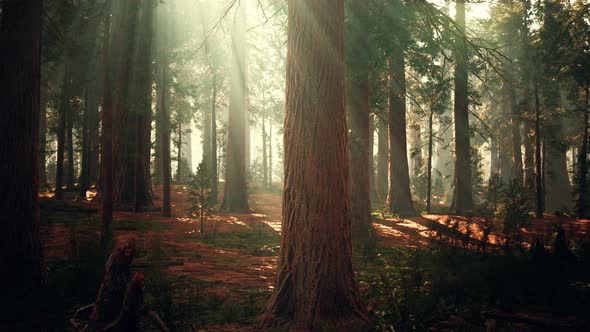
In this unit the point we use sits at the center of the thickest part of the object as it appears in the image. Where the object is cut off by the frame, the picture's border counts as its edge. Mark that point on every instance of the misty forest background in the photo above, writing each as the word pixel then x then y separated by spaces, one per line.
pixel 387 165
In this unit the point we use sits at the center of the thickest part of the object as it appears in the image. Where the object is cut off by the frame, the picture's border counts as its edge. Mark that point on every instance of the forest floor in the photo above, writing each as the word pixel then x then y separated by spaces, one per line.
pixel 220 280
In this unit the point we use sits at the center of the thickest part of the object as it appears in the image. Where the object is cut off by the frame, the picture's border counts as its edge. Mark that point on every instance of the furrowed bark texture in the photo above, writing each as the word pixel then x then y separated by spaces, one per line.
pixel 21 255
pixel 463 189
pixel 399 198
pixel 315 286
pixel 235 198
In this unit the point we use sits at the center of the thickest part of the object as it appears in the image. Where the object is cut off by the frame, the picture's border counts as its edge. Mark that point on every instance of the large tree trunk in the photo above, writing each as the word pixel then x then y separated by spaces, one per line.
pixel 163 120
pixel 133 103
pixel 582 185
pixel 399 198
pixel 463 196
pixel 558 188
pixel 315 287
pixel 382 159
pixel 106 174
pixel 359 176
pixel 264 154
pixel 21 253
pixel 235 198
pixel 69 171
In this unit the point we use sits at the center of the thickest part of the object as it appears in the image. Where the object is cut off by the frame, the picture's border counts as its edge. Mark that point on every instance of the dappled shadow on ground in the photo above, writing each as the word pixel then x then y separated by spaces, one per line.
pixel 235 257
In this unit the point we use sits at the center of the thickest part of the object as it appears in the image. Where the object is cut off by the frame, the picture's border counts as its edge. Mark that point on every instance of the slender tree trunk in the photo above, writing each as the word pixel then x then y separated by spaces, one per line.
pixel 399 198
pixel 539 164
pixel 315 287
pixel 372 180
pixel 69 164
pixel 214 178
pixel 179 154
pixel 270 151
pixel 430 145
pixel 61 137
pixel 382 159
pixel 43 141
pixel 21 253
pixel 264 155
pixel 235 198
pixel 517 169
pixel 107 130
pixel 416 150
pixel 84 180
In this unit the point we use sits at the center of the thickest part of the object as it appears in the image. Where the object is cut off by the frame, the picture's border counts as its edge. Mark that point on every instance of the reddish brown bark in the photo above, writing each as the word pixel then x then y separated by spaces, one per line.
pixel 235 198
pixel 399 198
pixel 315 286
pixel 107 131
pixel 463 196
pixel 21 256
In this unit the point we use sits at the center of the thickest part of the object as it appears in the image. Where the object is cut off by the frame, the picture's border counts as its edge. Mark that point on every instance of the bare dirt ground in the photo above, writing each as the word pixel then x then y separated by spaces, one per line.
pixel 225 266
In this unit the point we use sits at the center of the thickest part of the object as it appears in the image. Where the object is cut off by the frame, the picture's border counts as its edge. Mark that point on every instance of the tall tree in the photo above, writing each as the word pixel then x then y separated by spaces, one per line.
pixel 235 198
pixel 357 52
pixel 21 253
pixel 106 173
pixel 463 196
pixel 399 198
pixel 163 117
pixel 315 286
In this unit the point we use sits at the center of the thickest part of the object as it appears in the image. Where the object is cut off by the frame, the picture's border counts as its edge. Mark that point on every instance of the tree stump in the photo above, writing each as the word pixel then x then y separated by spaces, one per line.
pixel 120 300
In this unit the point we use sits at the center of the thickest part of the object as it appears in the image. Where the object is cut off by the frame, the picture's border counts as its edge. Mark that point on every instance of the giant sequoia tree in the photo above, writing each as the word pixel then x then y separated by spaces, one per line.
pixel 235 198
pixel 463 197
pixel 21 257
pixel 315 286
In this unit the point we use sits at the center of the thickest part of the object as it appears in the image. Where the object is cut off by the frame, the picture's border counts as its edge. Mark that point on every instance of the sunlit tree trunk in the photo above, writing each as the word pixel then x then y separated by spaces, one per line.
pixel 463 196
pixel 399 198
pixel 43 140
pixel 163 101
pixel 21 253
pixel 517 168
pixel 429 166
pixel 315 287
pixel 264 154
pixel 213 171
pixel 382 159
pixel 235 198
pixel 372 178
pixel 69 171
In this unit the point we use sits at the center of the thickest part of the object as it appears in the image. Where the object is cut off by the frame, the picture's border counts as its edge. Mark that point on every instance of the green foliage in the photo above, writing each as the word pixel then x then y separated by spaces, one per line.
pixel 516 207
pixel 413 289
pixel 200 193
pixel 494 191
